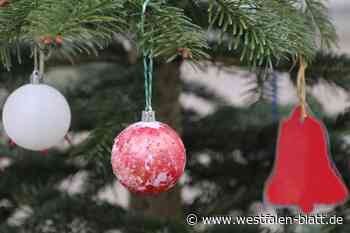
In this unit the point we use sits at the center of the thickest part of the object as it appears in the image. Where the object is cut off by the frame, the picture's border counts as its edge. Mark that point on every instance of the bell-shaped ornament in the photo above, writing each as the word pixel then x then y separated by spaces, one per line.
pixel 304 174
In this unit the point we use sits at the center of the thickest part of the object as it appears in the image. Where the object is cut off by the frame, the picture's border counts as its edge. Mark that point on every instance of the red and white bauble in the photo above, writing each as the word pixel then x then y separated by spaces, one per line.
pixel 148 158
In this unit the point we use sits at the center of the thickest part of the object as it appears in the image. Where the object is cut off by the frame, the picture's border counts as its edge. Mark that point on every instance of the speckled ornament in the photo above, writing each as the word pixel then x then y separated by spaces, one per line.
pixel 148 158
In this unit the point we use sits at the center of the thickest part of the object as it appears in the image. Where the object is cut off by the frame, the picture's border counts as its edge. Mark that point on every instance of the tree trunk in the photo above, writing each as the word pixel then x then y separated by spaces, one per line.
pixel 167 91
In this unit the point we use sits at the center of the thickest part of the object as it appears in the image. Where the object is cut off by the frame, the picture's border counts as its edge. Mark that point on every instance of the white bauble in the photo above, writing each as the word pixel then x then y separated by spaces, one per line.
pixel 36 116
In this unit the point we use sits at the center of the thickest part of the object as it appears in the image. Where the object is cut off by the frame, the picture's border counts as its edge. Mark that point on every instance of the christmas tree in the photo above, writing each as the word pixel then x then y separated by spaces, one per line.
pixel 104 41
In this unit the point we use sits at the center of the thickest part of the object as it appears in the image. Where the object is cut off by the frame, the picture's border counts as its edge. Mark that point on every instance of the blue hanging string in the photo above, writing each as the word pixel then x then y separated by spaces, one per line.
pixel 147 62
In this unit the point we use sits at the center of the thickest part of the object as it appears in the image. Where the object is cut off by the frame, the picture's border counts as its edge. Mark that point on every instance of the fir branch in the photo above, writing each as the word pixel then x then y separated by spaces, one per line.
pixel 167 29
pixel 264 31
pixel 320 22
pixel 85 24
pixel 82 25
pixel 12 18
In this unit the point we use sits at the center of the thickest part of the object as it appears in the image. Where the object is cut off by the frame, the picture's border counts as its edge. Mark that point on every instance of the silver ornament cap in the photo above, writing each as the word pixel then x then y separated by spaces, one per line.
pixel 36 77
pixel 148 116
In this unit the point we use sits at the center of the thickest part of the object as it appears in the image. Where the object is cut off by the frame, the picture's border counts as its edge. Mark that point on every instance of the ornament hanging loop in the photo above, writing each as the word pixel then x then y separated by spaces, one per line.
pixel 35 55
pixel 41 62
pixel 147 115
pixel 301 89
pixel 37 75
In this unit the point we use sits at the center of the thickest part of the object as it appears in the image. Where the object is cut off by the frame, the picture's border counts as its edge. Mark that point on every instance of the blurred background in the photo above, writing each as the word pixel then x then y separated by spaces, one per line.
pixel 227 116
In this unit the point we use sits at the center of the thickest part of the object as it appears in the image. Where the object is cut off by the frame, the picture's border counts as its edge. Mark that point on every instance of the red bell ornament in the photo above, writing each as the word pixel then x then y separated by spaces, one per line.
pixel 148 157
pixel 304 174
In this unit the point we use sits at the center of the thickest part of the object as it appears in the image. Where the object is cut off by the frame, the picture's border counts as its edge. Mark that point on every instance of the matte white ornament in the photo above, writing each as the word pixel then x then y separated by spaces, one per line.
pixel 36 116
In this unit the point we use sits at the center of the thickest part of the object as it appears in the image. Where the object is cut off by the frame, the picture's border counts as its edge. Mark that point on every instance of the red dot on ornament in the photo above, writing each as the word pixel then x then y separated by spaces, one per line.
pixel 148 158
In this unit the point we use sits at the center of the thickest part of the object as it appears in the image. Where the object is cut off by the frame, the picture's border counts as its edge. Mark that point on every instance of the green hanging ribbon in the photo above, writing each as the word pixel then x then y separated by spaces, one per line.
pixel 147 63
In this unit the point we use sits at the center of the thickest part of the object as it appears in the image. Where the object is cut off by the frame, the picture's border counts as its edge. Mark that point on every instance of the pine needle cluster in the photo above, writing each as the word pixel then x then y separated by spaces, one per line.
pixel 262 32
